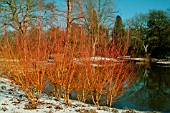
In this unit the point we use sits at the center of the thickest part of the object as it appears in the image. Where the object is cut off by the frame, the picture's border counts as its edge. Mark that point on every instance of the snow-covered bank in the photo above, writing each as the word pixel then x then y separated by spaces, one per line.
pixel 164 62
pixel 13 101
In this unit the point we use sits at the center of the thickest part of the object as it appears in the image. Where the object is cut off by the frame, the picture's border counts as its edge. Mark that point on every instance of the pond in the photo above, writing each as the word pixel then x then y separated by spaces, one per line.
pixel 149 92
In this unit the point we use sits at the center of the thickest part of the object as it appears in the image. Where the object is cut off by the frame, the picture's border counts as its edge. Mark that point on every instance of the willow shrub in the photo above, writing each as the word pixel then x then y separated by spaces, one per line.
pixel 69 64
pixel 25 59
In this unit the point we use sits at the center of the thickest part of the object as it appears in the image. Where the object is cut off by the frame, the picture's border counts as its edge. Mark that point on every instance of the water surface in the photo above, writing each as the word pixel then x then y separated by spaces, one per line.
pixel 150 91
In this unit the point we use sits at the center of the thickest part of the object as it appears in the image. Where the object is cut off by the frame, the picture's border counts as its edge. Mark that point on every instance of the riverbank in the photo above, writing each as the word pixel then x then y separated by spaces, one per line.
pixel 14 101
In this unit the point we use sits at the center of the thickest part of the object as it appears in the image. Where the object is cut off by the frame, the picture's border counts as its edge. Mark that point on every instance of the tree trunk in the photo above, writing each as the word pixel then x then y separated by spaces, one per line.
pixel 147 57
pixel 94 49
pixel 69 18
pixel 147 54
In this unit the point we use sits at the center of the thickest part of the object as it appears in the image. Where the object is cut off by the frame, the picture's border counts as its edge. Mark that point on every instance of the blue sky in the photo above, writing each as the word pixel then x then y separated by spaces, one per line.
pixel 129 8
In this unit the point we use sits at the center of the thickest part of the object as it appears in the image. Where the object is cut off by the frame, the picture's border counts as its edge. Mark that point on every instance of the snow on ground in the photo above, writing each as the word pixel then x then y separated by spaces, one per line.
pixel 163 62
pixel 13 101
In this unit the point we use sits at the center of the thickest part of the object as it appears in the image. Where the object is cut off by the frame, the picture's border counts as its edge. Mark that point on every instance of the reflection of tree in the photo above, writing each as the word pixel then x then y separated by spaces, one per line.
pixel 158 98
pixel 147 70
pixel 152 89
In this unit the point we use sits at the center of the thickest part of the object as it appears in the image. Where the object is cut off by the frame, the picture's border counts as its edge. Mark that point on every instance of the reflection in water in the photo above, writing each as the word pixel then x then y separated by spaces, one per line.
pixel 151 90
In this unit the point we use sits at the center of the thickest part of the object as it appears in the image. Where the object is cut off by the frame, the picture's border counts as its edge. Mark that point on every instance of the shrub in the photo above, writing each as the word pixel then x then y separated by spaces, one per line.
pixel 69 64
pixel 25 60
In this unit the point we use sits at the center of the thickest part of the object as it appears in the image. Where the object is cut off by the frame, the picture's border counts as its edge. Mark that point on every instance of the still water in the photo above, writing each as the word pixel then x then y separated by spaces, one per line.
pixel 149 92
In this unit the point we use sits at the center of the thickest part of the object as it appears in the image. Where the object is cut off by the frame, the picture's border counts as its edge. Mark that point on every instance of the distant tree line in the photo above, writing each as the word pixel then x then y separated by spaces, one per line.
pixel 149 33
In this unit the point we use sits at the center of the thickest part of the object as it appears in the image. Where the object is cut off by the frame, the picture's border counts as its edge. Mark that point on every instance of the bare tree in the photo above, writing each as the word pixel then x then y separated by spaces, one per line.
pixel 73 13
pixel 98 14
pixel 20 15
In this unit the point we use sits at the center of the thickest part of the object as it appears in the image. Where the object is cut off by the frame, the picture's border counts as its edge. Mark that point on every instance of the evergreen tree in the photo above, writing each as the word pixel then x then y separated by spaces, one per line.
pixel 118 30
pixel 158 28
